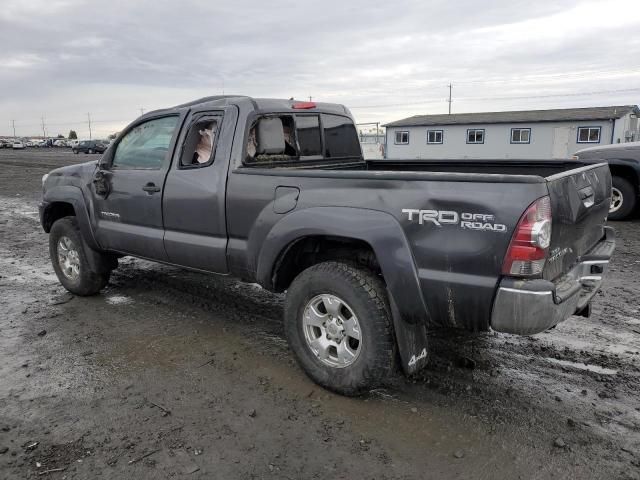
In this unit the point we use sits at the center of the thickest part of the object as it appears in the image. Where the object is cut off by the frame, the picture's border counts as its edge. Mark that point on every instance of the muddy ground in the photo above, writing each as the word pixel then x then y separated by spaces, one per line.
pixel 172 374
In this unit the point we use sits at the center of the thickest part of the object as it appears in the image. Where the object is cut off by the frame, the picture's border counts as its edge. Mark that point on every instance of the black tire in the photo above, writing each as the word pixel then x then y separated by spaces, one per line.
pixel 628 198
pixel 366 295
pixel 75 151
pixel 87 281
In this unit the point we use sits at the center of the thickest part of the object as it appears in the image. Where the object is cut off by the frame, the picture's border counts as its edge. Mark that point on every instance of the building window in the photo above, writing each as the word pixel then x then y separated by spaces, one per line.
pixel 520 135
pixel 435 136
pixel 402 138
pixel 475 135
pixel 589 134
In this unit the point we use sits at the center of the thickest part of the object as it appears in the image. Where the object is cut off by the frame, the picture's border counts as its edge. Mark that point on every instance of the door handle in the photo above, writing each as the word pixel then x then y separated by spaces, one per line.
pixel 151 188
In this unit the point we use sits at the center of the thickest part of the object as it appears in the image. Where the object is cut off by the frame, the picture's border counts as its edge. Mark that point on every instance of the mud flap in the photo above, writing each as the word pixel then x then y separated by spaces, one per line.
pixel 99 262
pixel 411 339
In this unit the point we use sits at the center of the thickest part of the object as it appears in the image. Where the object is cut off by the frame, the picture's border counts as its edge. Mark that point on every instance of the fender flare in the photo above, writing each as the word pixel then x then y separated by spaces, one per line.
pixel 74 196
pixel 389 243
pixel 628 165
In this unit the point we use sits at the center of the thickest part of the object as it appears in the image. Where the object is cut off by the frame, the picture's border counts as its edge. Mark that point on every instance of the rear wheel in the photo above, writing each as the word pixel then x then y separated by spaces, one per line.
pixel 338 325
pixel 69 260
pixel 623 199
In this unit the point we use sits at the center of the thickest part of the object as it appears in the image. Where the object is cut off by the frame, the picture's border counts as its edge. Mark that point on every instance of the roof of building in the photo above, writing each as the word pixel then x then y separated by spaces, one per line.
pixel 522 116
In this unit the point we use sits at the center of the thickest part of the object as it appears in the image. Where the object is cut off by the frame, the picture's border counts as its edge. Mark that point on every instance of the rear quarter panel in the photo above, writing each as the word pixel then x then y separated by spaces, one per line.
pixel 457 268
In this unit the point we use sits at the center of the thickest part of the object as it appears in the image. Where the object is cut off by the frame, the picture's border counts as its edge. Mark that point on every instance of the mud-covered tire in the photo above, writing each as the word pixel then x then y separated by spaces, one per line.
pixel 86 281
pixel 625 195
pixel 365 294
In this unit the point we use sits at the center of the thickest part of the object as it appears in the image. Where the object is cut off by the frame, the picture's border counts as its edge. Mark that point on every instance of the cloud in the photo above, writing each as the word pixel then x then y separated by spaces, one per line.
pixel 63 59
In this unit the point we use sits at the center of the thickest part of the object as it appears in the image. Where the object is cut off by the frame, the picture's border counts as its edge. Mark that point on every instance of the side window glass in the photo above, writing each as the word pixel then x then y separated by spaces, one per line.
pixel 340 137
pixel 199 145
pixel 145 147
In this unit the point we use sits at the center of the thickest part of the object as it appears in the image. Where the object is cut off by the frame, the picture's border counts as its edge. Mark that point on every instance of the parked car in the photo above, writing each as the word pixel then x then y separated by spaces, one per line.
pixel 370 254
pixel 18 145
pixel 624 162
pixel 90 146
pixel 5 144
pixel 73 143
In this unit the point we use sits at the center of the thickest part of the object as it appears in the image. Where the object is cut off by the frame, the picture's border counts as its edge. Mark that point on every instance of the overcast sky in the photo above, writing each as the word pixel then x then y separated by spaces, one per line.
pixel 385 60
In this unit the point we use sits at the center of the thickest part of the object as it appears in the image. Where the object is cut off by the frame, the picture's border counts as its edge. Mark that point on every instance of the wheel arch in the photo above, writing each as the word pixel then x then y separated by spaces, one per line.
pixel 627 172
pixel 378 241
pixel 64 201
pixel 54 211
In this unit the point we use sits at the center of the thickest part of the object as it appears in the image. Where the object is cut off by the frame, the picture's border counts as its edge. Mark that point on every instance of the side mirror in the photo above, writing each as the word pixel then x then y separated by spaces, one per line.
pixel 101 183
pixel 105 161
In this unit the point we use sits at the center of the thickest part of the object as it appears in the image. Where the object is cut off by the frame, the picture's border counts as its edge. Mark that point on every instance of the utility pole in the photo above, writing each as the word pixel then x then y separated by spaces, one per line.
pixel 13 122
pixel 141 111
pixel 44 131
pixel 450 88
pixel 89 118
pixel 310 98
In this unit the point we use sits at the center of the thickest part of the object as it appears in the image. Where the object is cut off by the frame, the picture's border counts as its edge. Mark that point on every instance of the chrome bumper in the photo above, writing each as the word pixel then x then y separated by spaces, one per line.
pixel 525 307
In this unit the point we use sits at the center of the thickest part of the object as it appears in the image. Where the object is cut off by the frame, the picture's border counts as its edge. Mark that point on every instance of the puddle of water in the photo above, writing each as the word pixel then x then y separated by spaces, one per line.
pixel 583 366
pixel 119 300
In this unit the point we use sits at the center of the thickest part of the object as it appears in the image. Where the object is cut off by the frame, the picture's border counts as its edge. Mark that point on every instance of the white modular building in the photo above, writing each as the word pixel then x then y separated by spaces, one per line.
pixel 525 134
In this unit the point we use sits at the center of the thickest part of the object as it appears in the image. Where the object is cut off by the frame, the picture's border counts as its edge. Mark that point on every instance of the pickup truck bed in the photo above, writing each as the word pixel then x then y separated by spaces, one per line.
pixel 371 254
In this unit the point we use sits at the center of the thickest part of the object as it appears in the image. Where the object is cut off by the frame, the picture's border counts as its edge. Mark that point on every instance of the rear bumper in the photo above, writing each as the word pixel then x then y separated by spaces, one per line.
pixel 526 307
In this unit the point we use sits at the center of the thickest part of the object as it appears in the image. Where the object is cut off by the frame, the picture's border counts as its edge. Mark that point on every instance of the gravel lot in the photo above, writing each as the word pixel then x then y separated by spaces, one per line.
pixel 171 374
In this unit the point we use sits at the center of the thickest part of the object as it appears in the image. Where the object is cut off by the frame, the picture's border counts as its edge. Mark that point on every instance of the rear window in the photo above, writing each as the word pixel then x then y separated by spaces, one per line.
pixel 340 137
pixel 289 139
pixel 309 139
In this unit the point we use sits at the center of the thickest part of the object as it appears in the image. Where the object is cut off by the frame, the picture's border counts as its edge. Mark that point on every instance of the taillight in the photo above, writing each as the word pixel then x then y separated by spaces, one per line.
pixel 529 245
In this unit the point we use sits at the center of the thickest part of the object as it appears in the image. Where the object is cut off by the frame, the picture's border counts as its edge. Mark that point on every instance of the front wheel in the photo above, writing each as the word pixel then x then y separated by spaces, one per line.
pixel 338 324
pixel 623 199
pixel 69 259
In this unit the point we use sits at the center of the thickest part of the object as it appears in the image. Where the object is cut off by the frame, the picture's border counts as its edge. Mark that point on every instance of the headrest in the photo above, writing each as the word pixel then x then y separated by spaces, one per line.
pixel 270 136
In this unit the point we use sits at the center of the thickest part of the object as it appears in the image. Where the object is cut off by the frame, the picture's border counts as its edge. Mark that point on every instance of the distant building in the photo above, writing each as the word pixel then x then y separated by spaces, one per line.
pixel 520 134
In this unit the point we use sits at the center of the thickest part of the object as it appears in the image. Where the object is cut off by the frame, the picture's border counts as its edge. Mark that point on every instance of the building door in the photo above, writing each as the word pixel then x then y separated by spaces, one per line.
pixel 560 142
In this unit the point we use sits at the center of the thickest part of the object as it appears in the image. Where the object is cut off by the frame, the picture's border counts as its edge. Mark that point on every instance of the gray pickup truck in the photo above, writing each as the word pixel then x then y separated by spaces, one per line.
pixel 371 255
pixel 624 163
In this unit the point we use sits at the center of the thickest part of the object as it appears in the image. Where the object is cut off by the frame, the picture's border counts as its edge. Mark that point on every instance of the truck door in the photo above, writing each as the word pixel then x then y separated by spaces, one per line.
pixel 194 197
pixel 128 188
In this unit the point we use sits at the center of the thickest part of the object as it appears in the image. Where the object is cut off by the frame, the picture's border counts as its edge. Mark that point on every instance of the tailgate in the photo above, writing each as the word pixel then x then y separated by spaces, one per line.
pixel 580 201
